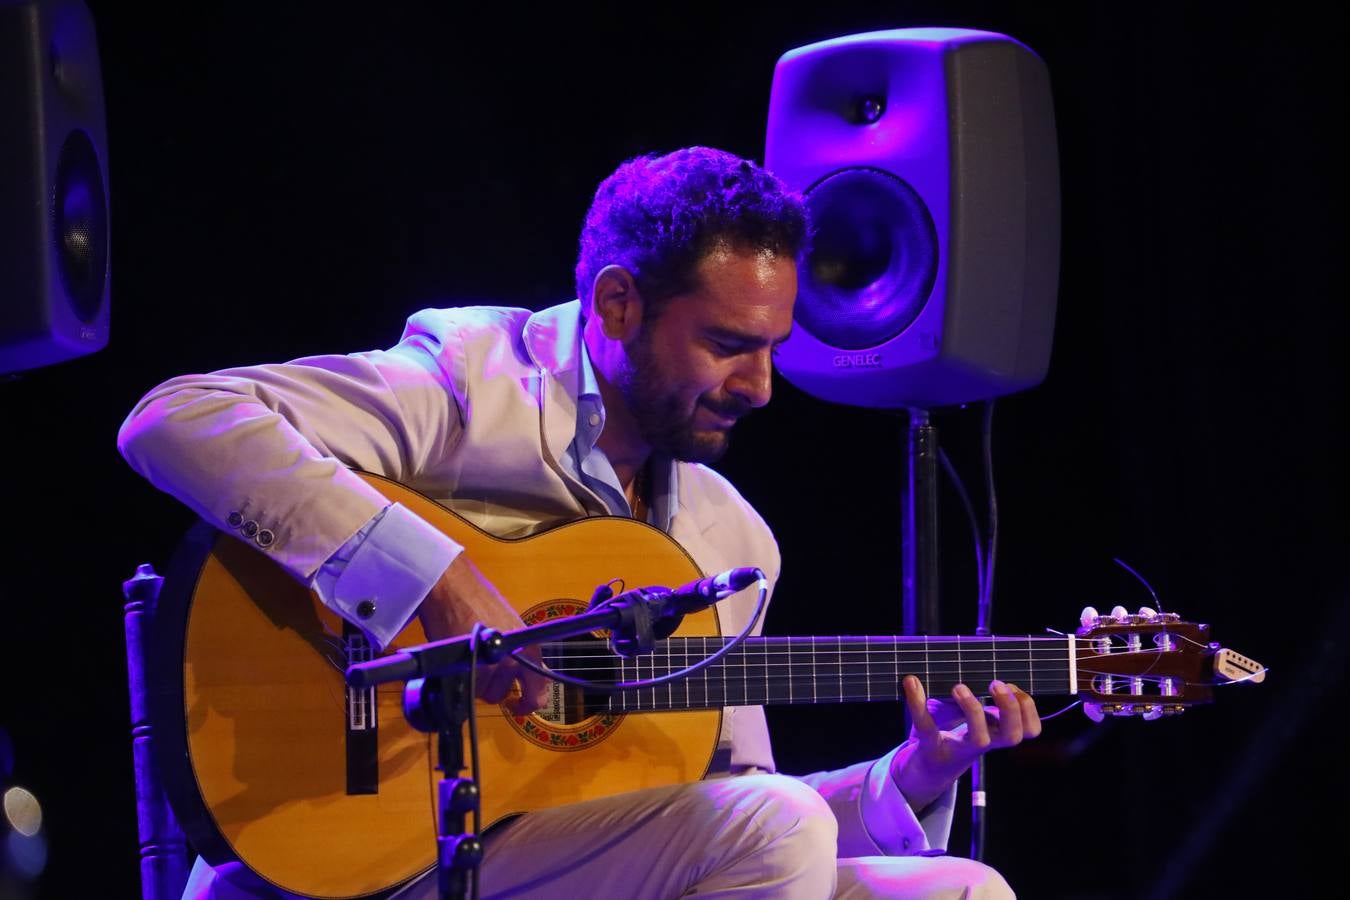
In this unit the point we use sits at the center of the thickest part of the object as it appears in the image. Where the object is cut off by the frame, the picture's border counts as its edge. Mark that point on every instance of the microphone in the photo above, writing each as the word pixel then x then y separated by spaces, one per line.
pixel 706 591
pixel 650 614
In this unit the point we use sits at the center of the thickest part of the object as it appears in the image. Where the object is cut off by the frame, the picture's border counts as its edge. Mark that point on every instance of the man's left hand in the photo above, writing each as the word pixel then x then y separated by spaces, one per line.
pixel 935 756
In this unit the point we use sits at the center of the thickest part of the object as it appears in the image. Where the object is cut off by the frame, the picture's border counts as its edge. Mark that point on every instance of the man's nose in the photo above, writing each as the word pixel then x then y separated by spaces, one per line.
pixel 754 379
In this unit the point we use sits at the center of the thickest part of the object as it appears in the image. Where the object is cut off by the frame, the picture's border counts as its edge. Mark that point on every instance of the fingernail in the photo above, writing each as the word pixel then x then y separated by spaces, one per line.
pixel 998 687
pixel 962 691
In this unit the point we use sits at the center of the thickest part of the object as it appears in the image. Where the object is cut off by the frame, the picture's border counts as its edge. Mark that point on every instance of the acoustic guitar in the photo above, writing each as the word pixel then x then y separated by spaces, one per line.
pixel 322 790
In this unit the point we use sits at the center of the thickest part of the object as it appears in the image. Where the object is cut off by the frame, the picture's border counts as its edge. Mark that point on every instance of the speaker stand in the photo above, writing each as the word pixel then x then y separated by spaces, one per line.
pixel 919 556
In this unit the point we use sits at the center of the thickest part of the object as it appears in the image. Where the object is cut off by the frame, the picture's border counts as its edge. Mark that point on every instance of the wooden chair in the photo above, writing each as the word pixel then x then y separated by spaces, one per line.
pixel 163 848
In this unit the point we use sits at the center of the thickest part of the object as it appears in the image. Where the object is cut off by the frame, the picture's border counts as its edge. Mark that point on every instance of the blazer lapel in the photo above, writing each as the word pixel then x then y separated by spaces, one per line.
pixel 553 341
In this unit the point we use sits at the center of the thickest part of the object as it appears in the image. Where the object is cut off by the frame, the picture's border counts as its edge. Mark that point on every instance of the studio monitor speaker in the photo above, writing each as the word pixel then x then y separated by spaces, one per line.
pixel 53 185
pixel 928 161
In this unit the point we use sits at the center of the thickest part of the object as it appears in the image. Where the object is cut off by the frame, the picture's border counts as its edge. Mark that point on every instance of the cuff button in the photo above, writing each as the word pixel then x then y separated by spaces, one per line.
pixel 235 520
pixel 365 609
pixel 264 538
pixel 250 528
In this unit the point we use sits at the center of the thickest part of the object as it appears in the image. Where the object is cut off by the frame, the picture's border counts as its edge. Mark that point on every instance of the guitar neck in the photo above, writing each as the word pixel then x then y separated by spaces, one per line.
pixel 782 670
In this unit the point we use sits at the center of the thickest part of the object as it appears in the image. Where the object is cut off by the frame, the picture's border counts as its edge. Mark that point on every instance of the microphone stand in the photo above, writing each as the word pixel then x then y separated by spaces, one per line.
pixel 437 700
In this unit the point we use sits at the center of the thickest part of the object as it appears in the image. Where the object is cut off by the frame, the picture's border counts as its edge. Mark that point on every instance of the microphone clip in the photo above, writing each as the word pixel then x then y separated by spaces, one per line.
pixel 645 617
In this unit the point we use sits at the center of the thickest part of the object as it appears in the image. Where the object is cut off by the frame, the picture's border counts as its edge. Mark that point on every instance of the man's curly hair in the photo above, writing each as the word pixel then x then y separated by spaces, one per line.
pixel 658 216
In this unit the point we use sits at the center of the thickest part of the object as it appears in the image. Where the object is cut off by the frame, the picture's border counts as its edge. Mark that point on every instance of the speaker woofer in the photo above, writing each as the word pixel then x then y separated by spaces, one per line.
pixel 81 218
pixel 872 262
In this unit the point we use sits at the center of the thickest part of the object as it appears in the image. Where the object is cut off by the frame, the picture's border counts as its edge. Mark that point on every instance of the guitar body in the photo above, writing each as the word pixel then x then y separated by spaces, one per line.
pixel 258 768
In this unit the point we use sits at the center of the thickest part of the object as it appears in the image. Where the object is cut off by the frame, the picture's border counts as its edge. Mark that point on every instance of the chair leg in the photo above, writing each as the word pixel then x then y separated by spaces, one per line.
pixel 164 858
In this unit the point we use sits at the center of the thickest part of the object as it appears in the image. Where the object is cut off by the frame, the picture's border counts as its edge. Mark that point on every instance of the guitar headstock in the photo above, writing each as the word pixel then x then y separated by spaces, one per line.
pixel 1151 664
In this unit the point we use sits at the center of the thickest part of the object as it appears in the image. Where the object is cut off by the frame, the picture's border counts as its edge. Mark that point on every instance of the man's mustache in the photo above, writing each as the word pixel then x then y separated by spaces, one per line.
pixel 731 409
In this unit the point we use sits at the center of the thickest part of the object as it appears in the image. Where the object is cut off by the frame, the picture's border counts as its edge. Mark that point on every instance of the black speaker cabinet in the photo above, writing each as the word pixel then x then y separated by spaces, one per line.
pixel 53 185
pixel 928 161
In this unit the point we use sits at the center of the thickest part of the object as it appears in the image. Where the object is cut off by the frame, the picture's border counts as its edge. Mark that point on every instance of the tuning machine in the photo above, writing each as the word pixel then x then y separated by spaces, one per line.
pixel 1149 712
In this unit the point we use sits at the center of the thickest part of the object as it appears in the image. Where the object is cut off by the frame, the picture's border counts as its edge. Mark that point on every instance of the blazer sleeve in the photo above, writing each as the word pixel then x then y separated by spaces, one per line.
pixel 874 817
pixel 265 452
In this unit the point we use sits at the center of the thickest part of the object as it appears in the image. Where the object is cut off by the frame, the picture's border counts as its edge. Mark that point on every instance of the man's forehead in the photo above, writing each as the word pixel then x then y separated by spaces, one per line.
pixel 745 292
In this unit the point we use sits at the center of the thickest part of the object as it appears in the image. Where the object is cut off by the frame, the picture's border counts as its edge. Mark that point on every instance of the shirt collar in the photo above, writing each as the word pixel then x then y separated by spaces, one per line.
pixel 665 487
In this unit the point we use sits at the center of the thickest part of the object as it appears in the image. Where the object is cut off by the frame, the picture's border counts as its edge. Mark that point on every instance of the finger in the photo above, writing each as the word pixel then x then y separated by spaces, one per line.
pixel 977 727
pixel 1009 714
pixel 916 702
pixel 1031 716
pixel 534 692
pixel 494 683
pixel 534 687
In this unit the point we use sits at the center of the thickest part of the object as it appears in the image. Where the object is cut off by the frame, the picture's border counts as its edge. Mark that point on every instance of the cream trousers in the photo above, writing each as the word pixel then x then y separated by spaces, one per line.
pixel 752 836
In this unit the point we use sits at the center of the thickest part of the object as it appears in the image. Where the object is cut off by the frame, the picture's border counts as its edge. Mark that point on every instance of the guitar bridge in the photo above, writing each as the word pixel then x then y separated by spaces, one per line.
pixel 363 725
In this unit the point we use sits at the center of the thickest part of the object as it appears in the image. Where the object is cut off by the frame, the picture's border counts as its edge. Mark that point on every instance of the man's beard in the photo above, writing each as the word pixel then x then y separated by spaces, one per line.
pixel 660 416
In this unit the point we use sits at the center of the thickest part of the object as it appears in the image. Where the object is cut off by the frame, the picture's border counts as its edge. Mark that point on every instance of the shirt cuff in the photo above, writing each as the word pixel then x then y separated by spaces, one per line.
pixel 378 578
pixel 897 829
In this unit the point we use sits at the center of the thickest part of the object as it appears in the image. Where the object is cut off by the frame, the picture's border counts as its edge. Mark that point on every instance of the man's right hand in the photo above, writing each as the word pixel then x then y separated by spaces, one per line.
pixel 463 597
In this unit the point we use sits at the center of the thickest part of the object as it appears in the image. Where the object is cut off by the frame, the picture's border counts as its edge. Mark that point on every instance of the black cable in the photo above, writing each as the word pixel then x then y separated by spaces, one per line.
pixel 970 514
pixel 985 624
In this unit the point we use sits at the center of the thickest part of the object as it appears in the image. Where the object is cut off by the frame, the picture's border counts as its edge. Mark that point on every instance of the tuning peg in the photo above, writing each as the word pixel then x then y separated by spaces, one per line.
pixel 1147 612
pixel 1088 617
pixel 1119 613
pixel 1094 711
pixel 1154 712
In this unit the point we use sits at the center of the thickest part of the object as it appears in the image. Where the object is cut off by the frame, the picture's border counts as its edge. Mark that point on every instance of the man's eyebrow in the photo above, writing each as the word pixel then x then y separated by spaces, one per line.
pixel 739 337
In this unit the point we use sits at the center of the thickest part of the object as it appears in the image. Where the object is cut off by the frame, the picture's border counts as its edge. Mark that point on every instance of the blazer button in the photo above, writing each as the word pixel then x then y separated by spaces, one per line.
pixel 264 538
pixel 365 609
pixel 250 528
pixel 235 520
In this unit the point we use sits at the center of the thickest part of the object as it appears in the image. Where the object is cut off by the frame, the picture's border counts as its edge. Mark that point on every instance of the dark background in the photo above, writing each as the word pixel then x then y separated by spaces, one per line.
pixel 295 180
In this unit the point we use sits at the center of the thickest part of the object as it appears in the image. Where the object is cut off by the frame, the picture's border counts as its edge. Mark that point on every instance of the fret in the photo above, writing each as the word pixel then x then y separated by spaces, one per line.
pixel 1031 670
pixel 852 668
pixel 867 671
pixel 814 679
pixel 768 668
pixel 896 674
pixel 684 659
pixel 927 672
pixel 837 665
pixel 755 668
pixel 705 697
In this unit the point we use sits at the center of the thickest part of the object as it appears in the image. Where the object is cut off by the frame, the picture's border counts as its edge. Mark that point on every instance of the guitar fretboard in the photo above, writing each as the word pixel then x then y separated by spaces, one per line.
pixel 778 670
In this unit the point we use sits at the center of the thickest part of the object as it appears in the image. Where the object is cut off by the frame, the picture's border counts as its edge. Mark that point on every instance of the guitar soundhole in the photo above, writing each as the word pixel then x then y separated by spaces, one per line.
pixel 571 720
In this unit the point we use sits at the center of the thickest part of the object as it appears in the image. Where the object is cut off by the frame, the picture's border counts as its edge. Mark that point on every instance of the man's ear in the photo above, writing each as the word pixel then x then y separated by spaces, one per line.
pixel 616 303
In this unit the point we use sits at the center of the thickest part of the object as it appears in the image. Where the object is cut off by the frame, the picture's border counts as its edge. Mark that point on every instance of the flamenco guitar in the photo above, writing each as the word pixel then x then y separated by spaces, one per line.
pixel 326 791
